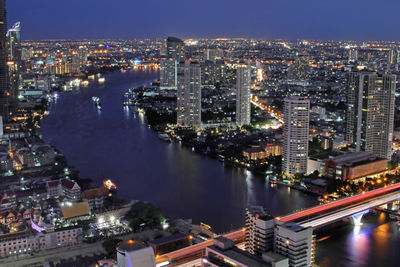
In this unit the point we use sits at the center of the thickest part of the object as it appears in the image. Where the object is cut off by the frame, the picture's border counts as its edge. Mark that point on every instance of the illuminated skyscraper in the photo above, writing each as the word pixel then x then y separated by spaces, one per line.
pixel 14 63
pixel 370 112
pixel 168 71
pixel 243 80
pixel 296 133
pixel 3 61
pixel 353 55
pixel 175 48
pixel 189 94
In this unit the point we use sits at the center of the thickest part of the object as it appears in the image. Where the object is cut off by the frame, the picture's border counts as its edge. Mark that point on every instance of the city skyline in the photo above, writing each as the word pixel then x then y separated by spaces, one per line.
pixel 259 19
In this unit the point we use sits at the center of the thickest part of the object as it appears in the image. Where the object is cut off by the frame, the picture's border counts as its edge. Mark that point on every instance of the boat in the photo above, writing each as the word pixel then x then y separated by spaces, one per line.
pixel 221 158
pixel 109 185
pixel 102 80
pixel 164 137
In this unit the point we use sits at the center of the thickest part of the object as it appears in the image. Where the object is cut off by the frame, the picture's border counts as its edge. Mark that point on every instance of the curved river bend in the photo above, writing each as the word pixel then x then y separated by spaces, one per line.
pixel 119 145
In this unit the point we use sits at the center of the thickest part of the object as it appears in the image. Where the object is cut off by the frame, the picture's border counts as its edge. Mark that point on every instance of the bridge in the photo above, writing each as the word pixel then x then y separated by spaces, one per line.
pixel 354 207
pixel 318 216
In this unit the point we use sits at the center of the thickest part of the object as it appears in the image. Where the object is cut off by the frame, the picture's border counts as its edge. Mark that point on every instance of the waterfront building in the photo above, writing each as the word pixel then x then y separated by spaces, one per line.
pixel 296 243
pixel 3 62
pixel 370 112
pixel 133 253
pixel 257 152
pixel 243 81
pixel 259 230
pixel 296 134
pixel 189 94
pixel 354 166
pixel 83 54
pixel 168 74
pixel 175 49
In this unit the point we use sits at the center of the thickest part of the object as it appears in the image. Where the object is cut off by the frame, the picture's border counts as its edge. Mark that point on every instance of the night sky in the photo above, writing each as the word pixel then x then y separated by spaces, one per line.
pixel 288 19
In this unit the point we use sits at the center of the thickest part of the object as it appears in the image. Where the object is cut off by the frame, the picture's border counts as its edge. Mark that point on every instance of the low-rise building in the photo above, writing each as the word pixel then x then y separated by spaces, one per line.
pixel 354 166
pixel 257 152
pixel 95 197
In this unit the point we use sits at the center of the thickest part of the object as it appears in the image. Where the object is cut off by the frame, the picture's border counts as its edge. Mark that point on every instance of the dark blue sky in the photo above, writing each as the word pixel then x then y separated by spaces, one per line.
pixel 289 19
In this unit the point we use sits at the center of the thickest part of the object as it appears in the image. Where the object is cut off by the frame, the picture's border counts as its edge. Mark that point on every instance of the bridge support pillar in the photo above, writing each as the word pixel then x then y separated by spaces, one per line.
pixel 356 218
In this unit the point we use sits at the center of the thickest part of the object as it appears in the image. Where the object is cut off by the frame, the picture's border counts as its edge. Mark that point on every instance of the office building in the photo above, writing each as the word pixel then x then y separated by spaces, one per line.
pixel 14 63
pixel 3 62
pixel 243 80
pixel 296 243
pixel 296 134
pixel 133 253
pixel 259 230
pixel 189 94
pixel 175 49
pixel 168 74
pixel 370 112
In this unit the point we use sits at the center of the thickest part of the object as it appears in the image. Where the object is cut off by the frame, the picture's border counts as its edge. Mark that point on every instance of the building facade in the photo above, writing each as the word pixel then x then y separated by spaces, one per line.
pixel 370 112
pixel 189 94
pixel 243 81
pixel 296 134
pixel 168 71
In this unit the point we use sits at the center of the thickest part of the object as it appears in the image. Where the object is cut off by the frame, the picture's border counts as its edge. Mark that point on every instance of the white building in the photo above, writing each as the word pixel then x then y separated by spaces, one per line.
pixel 296 243
pixel 243 80
pixel 189 94
pixel 131 254
pixel 296 132
pixel 259 230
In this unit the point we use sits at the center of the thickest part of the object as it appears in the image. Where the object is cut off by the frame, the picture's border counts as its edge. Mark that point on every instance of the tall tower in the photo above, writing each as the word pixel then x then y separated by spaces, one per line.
pixel 189 94
pixel 14 63
pixel 243 80
pixel 168 71
pixel 370 112
pixel 3 61
pixel 296 132
pixel 175 48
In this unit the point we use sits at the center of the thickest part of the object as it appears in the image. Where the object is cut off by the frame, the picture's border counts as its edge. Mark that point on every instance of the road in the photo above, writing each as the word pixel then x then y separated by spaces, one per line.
pixel 54 255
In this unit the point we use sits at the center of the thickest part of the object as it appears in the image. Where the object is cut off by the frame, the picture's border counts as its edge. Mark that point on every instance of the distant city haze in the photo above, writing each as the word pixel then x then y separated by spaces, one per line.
pixel 127 19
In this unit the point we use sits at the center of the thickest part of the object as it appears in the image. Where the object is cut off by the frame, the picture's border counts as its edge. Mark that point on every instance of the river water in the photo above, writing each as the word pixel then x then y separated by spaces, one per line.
pixel 117 144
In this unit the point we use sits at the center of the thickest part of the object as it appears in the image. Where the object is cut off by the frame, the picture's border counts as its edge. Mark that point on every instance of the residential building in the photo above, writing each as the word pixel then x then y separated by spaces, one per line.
pixel 189 94
pixel 168 74
pixel 243 82
pixel 296 243
pixel 370 112
pixel 259 230
pixel 296 133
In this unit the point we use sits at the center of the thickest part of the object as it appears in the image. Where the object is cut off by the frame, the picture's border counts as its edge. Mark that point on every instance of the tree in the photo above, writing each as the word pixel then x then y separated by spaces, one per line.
pixel 144 214
pixel 110 245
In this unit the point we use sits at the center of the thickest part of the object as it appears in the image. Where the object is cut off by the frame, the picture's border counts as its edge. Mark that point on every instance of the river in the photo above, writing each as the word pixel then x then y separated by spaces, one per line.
pixel 117 144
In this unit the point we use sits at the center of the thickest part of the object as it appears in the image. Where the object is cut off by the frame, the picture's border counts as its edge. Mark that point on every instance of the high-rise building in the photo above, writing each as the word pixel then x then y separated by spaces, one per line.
pixel 3 61
pixel 243 80
pixel 259 230
pixel 213 54
pixel 83 54
pixel 14 64
pixel 296 133
pixel 296 243
pixel 168 73
pixel 175 48
pixel 370 112
pixel 189 94
pixel 353 55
